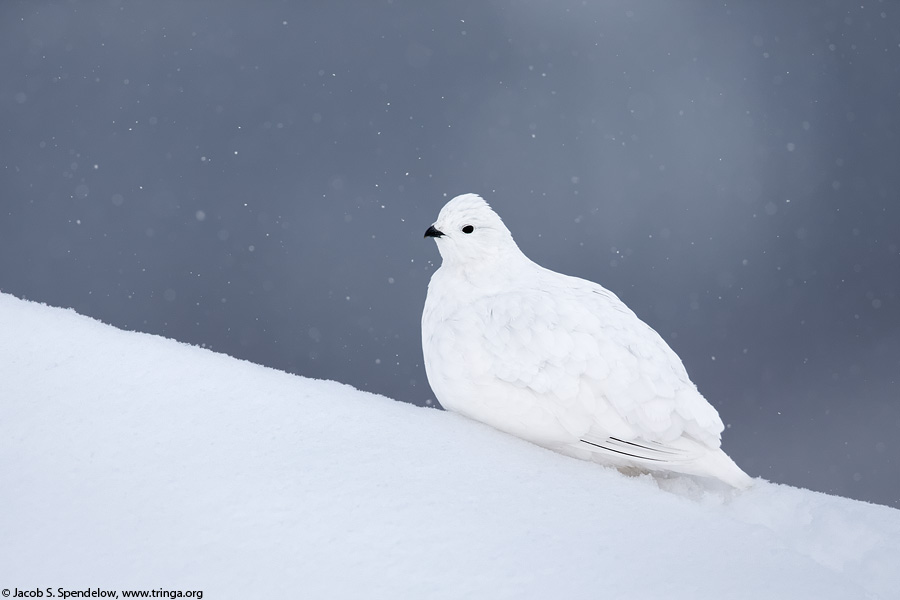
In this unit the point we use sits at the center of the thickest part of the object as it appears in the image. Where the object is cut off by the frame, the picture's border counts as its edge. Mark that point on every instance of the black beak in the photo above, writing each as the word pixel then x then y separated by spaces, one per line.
pixel 432 232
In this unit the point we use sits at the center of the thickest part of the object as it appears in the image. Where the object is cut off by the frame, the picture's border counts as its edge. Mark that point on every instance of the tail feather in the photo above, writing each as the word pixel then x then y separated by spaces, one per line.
pixel 719 465
pixel 681 456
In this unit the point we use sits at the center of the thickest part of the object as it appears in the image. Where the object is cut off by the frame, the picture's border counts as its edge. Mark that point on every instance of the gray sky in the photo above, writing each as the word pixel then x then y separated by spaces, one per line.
pixel 256 178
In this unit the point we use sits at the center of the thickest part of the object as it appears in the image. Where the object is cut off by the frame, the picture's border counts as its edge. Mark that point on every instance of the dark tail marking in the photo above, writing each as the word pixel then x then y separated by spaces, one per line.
pixel 644 447
pixel 625 453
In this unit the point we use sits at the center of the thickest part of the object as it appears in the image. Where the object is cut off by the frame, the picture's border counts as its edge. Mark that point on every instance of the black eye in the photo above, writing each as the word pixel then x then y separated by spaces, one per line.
pixel 468 229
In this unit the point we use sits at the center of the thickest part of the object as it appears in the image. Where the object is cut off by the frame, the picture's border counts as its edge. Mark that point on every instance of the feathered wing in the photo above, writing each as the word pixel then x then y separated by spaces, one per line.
pixel 566 364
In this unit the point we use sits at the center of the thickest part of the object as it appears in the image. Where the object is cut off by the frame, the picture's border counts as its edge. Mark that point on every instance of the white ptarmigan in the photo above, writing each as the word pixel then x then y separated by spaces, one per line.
pixel 557 360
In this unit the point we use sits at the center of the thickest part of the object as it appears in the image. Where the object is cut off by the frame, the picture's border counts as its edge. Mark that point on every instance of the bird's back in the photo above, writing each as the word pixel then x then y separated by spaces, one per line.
pixel 561 361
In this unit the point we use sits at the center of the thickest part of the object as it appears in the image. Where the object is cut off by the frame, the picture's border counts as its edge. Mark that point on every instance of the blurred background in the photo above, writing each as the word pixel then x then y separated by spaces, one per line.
pixel 256 178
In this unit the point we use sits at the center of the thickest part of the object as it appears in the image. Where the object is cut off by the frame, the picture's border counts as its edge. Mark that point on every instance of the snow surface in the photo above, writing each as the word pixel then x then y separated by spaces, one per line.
pixel 133 461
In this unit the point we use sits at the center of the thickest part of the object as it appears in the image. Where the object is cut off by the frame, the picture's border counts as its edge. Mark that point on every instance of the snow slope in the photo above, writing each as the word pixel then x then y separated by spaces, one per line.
pixel 133 461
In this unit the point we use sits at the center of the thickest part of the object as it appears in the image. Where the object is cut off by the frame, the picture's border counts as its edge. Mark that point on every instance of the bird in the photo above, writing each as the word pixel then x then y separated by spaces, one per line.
pixel 558 360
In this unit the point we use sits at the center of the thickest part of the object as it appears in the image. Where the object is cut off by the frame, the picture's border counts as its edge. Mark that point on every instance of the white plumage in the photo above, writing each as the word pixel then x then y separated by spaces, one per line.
pixel 557 360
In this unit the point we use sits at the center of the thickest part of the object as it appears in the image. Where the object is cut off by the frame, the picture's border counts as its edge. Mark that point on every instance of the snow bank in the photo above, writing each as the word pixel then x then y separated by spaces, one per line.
pixel 132 461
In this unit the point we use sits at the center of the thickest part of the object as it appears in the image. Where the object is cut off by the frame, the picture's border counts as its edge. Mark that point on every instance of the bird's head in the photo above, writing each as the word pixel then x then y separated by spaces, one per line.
pixel 469 233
